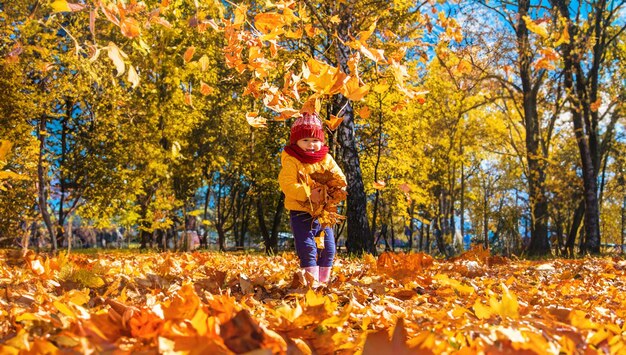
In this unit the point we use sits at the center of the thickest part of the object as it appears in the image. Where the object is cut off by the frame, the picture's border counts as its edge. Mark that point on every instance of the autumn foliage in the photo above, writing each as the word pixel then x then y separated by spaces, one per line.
pixel 332 192
pixel 222 304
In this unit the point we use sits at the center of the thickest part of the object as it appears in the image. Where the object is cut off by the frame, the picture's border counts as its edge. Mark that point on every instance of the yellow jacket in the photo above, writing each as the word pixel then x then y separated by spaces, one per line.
pixel 288 178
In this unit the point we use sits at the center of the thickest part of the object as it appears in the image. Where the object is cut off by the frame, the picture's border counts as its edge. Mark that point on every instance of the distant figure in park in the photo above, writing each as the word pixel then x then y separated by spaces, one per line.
pixel 307 154
pixel 193 240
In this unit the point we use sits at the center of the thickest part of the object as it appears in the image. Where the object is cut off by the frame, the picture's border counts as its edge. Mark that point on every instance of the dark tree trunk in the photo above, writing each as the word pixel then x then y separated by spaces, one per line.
pixel 207 198
pixel 393 234
pixel 573 230
pixel 270 237
pixel 462 197
pixel 411 225
pixel 359 239
pixel 559 234
pixel 539 244
pixel 420 246
pixel 42 195
pixel 427 246
pixel 623 225
pixel 583 92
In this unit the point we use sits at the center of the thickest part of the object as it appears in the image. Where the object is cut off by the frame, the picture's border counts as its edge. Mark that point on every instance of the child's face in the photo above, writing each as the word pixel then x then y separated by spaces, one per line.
pixel 310 144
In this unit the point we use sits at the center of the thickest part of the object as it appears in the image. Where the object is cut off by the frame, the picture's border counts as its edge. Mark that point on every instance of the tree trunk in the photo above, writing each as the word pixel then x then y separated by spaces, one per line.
pixel 462 198
pixel 573 231
pixel 583 91
pixel 486 220
pixel 420 246
pixel 411 225
pixel 359 238
pixel 205 234
pixel 270 238
pixel 393 234
pixel 623 224
pixel 539 244
pixel 42 195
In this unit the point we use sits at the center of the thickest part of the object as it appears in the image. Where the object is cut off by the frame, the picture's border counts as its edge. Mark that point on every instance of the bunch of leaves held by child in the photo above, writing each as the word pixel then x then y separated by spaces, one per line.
pixel 332 188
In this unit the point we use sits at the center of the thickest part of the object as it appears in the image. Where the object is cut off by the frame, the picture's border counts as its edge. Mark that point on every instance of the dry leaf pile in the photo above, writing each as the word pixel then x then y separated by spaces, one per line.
pixel 332 186
pixel 202 303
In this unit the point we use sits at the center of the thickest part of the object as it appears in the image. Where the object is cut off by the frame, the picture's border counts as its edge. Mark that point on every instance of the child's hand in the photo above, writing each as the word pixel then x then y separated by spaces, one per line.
pixel 318 194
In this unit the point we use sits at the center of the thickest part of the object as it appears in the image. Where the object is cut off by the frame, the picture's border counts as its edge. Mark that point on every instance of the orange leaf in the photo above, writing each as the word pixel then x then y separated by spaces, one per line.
pixel 378 343
pixel 205 89
pixel 596 105
pixel 353 91
pixel 311 105
pixel 187 99
pixel 379 185
pixel 268 22
pixel 130 27
pixel 189 54
pixel 334 122
pixel 364 112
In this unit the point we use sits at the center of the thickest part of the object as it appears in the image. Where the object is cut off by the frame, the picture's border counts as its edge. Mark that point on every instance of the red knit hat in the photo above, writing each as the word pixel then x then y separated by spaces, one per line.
pixel 306 126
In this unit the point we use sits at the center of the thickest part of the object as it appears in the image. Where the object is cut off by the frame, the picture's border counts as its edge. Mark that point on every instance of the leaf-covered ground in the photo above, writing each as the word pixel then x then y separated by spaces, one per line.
pixel 215 303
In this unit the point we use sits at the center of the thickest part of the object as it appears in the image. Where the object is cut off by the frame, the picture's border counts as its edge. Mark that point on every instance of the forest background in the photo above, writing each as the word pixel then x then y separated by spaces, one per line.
pixel 503 120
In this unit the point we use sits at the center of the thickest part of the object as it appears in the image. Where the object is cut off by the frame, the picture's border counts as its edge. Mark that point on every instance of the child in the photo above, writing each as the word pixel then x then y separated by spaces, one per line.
pixel 303 161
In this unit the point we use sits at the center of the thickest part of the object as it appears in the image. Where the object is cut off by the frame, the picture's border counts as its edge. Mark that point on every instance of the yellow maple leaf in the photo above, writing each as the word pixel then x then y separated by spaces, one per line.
pixel 268 22
pixel 482 311
pixel 353 91
pixel 508 306
pixel 537 27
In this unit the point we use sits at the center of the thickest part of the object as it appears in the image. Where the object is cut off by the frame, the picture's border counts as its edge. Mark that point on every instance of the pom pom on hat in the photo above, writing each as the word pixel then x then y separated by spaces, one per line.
pixel 306 126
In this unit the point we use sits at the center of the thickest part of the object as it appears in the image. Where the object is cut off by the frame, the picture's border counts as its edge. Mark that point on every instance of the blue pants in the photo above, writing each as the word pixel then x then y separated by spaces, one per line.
pixel 304 229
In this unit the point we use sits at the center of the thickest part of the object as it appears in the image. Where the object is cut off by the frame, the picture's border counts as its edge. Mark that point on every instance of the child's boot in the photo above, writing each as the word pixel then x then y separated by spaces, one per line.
pixel 313 270
pixel 324 274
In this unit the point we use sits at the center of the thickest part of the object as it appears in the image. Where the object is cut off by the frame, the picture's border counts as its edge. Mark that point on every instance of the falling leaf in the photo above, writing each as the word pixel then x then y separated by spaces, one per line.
pixel 364 112
pixel 240 15
pixel 538 27
pixel 133 78
pixel 334 122
pixel 189 54
pixel 116 57
pixel 204 62
pixel 564 35
pixel 312 105
pixel 377 55
pixel 353 91
pixel 255 120
pixel 205 89
pixel 187 99
pixel 379 185
pixel 130 27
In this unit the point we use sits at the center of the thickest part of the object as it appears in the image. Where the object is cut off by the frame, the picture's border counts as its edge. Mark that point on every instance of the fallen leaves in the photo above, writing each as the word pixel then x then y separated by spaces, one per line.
pixel 233 303
pixel 332 187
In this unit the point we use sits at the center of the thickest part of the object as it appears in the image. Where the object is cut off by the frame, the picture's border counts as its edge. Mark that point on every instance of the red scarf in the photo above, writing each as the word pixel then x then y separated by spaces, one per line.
pixel 304 156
